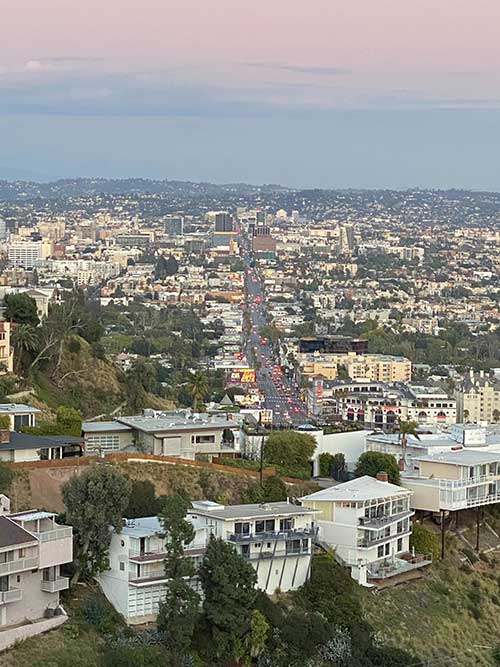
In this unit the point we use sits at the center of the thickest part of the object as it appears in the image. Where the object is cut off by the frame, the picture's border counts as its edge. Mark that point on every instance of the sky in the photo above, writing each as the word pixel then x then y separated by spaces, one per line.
pixel 365 93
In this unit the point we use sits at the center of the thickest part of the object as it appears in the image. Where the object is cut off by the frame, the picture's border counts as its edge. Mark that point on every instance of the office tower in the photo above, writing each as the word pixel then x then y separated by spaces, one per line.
pixel 224 222
pixel 346 239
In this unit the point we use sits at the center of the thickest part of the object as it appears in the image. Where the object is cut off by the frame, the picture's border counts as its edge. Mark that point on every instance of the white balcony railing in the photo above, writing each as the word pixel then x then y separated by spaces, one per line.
pixel 470 481
pixel 56 585
pixel 14 595
pixel 56 534
pixel 447 503
pixel 18 565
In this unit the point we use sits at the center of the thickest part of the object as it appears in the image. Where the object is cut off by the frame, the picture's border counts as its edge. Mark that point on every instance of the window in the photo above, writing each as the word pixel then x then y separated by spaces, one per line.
pixel 387 549
pixel 122 566
pixel 400 545
pixel 380 551
pixel 204 439
pixel 264 526
pixel 286 524
pixel 242 528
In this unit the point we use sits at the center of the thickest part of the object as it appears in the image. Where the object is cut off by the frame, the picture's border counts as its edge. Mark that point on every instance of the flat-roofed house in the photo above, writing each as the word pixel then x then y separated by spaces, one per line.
pixel 32 549
pixel 179 433
pixel 455 480
pixel 276 538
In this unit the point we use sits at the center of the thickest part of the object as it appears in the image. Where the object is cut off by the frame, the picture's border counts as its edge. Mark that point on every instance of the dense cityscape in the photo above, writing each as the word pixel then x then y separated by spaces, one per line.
pixel 248 425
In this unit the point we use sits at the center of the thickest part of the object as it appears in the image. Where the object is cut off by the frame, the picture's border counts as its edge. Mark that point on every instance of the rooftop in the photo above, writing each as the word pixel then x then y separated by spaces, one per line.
pixel 464 457
pixel 11 534
pixel 16 408
pixel 362 488
pixel 208 508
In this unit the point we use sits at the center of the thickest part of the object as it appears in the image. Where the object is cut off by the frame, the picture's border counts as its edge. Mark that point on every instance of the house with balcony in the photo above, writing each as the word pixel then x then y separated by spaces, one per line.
pixel 455 480
pixel 135 582
pixel 33 547
pixel 367 522
pixel 276 538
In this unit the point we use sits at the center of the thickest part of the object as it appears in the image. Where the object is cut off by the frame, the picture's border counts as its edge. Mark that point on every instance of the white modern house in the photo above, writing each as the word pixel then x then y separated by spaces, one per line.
pixel 367 522
pixel 276 538
pixel 135 582
pixel 32 549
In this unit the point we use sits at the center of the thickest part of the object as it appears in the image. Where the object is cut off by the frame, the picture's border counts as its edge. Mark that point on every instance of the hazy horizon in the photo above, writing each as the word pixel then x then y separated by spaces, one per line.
pixel 392 94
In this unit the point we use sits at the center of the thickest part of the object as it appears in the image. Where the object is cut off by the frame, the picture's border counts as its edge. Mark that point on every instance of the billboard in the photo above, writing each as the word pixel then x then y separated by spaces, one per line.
pixel 241 376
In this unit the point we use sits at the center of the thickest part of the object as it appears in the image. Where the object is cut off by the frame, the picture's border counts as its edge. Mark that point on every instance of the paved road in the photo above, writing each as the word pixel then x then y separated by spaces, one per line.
pixel 281 394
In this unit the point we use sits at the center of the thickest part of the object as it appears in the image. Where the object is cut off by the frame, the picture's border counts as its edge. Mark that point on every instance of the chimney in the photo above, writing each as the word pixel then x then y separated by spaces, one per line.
pixel 4 436
pixel 382 476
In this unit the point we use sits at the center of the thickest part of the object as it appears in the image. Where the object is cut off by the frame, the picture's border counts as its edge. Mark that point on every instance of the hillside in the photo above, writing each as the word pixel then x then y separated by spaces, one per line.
pixel 92 385
pixel 451 616
pixel 40 486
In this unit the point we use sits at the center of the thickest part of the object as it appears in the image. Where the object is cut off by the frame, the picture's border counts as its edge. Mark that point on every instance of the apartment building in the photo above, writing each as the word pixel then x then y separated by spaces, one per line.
pixel 455 480
pixel 380 405
pixel 6 351
pixel 180 433
pixel 478 398
pixel 32 550
pixel 275 538
pixel 28 253
pixel 377 367
pixel 368 523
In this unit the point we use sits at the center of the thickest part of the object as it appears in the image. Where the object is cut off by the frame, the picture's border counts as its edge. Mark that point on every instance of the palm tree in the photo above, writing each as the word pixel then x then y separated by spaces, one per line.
pixel 198 388
pixel 407 428
pixel 24 340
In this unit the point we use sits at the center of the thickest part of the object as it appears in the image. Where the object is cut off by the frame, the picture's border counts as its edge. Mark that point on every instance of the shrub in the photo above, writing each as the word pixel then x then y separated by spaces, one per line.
pixel 424 540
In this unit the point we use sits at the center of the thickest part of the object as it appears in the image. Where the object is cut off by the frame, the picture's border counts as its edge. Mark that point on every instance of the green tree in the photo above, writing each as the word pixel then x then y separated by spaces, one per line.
pixel 25 341
pixel 142 500
pixel 179 611
pixel 371 463
pixel 273 490
pixel 198 388
pixel 290 451
pixel 407 428
pixel 21 308
pixel 95 502
pixel 228 583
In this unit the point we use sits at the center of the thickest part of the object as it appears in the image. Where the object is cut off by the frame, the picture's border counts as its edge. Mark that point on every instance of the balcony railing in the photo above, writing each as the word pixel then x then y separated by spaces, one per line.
pixel 398 565
pixel 151 555
pixel 279 553
pixel 18 565
pixel 384 519
pixel 446 503
pixel 292 534
pixel 451 484
pixel 59 584
pixel 56 534
pixel 14 595
pixel 367 544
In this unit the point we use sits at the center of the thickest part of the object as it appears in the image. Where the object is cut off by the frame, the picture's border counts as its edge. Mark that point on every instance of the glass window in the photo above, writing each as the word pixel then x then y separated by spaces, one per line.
pixel 380 551
pixel 242 528
pixel 286 524
pixel 259 526
pixel 270 525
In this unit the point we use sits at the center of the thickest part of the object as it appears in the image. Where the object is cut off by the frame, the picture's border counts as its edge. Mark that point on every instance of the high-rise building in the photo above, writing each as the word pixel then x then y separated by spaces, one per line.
pixel 174 225
pixel 3 230
pixel 346 239
pixel 224 222
pixel 25 253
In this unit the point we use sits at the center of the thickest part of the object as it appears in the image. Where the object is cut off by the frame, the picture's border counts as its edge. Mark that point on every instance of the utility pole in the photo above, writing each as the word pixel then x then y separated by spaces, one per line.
pixel 478 523
pixel 443 530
